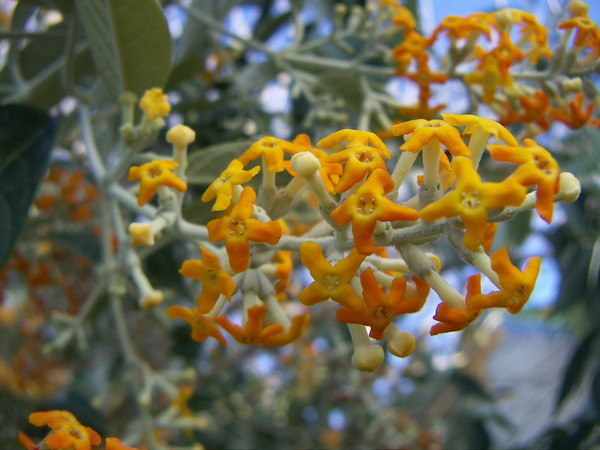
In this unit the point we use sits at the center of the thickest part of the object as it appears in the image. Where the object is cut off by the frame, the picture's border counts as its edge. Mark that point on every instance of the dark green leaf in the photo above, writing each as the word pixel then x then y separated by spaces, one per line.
pixel 26 138
pixel 575 369
pixel 130 41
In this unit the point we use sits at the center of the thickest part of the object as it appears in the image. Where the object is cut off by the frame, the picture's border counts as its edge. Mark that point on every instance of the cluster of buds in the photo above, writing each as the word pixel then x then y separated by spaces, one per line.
pixel 516 73
pixel 365 246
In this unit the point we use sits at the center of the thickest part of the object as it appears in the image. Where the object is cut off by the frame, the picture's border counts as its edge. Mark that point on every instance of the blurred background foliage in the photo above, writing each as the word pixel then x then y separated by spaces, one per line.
pixel 527 381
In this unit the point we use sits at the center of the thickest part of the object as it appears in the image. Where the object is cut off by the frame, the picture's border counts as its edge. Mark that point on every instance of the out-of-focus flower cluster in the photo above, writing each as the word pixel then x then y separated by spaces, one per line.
pixel 505 60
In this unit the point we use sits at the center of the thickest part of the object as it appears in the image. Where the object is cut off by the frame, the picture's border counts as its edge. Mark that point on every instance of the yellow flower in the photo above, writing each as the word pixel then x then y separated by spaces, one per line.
pixel 155 103
pixel 489 77
pixel 330 171
pixel 453 319
pixel 471 200
pixel 471 122
pixel 222 187
pixel 153 175
pixel 331 282
pixel 423 131
pixel 516 285
pixel 66 432
pixel 537 166
pixel 356 139
pixel 297 327
pixel 369 205
pixel 215 281
pixel 413 48
pixel 203 327
pixel 272 150
pixel 253 331
pixel 239 228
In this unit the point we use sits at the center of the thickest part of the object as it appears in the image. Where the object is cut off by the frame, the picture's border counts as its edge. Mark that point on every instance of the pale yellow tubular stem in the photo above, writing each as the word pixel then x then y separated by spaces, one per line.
pixel 477 144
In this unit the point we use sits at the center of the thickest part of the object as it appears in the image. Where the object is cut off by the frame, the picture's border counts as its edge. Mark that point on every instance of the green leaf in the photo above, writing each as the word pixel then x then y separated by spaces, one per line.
pixel 205 165
pixel 130 41
pixel 26 138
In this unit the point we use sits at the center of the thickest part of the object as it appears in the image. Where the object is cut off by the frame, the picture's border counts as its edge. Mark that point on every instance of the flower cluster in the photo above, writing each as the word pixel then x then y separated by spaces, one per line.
pixel 67 433
pixel 359 223
pixel 515 71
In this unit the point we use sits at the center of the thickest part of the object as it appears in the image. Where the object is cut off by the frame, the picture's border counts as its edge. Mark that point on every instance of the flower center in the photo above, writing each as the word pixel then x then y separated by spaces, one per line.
pixel 237 228
pixel 364 156
pixel 331 282
pixel 155 171
pixel 470 200
pixel 367 206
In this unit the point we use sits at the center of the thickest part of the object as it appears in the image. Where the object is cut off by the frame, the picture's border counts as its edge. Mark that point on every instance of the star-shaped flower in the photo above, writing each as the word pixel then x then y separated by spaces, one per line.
pixel 253 331
pixel 516 285
pixel 272 150
pixel 222 187
pixel 66 432
pixel 537 166
pixel 203 327
pixel 155 103
pixel 380 308
pixel 423 131
pixel 155 174
pixel 239 228
pixel 454 319
pixel 215 281
pixel 471 200
pixel 369 205
pixel 331 282
pixel 471 122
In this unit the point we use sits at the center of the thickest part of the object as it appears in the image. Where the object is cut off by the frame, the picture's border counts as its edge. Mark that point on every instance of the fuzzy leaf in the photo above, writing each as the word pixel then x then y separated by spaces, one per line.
pixel 26 138
pixel 130 41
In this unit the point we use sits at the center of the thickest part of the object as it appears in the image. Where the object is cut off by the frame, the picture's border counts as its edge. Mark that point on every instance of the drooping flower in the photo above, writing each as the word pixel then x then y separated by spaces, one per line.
pixel 155 103
pixel 253 331
pixel 272 150
pixel 215 281
pixel 537 167
pixel 331 282
pixel 471 200
pixel 203 327
pixel 454 319
pixel 155 174
pixel 222 187
pixel 575 116
pixel 66 432
pixel 516 285
pixel 423 131
pixel 369 205
pixel 239 228
pixel 380 308
pixel 297 327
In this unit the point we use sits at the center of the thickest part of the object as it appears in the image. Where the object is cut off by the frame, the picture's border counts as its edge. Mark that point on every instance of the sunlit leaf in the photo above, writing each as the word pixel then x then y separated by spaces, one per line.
pixel 130 41
pixel 26 138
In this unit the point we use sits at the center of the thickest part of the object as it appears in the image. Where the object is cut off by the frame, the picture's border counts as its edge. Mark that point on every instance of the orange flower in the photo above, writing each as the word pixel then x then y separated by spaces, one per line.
pixel 537 166
pixel 458 27
pixel 222 187
pixel 414 47
pixel 272 150
pixel 330 172
pixel 215 282
pixel 253 331
pixel 471 122
pixel 423 131
pixel 403 18
pixel 360 158
pixel 66 432
pixel 153 175
pixel 576 116
pixel 453 319
pixel 115 444
pixel 586 30
pixel 489 77
pixel 516 285
pixel 506 53
pixel 297 327
pixel 283 269
pixel 203 327
pixel 380 308
pixel 471 200
pixel 369 205
pixel 239 228
pixel 330 281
